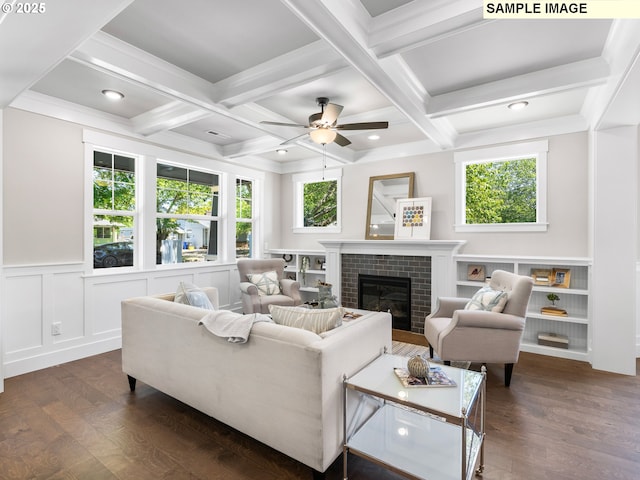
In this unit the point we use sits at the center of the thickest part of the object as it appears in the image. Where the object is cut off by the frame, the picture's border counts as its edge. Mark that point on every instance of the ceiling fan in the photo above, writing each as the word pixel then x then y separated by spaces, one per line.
pixel 323 125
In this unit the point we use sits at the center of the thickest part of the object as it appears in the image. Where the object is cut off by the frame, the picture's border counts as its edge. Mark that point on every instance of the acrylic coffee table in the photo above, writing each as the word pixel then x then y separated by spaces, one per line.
pixel 418 432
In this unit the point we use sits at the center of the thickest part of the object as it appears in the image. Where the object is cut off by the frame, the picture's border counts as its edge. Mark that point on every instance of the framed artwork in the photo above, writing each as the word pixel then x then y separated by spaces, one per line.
pixel 476 273
pixel 413 218
pixel 561 277
pixel 541 276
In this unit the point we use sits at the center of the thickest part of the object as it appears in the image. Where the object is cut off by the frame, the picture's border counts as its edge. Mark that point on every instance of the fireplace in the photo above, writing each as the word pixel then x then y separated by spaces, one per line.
pixel 387 294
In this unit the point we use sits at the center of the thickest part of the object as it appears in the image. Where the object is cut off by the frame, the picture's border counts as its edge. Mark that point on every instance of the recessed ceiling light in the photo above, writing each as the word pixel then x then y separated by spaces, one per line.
pixel 281 151
pixel 113 94
pixel 374 137
pixel 518 105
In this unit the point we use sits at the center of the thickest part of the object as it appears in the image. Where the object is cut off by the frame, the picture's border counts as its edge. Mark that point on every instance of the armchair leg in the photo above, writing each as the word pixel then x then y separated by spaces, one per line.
pixel 508 370
pixel 430 351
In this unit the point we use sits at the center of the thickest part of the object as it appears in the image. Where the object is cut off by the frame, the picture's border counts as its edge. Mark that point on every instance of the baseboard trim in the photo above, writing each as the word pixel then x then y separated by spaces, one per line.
pixel 51 359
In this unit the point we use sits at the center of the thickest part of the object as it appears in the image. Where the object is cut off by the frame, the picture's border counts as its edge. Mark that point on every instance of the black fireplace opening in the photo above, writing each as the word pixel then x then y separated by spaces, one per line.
pixel 380 293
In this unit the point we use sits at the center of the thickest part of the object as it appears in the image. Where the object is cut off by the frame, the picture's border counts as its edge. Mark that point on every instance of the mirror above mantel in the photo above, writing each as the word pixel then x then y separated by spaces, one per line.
pixel 384 191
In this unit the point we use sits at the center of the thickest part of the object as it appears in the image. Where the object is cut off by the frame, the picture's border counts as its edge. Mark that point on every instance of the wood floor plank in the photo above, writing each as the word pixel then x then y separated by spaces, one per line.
pixel 559 419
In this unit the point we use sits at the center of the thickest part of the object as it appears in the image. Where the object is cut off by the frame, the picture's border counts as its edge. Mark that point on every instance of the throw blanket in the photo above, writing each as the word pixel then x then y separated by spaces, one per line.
pixel 232 326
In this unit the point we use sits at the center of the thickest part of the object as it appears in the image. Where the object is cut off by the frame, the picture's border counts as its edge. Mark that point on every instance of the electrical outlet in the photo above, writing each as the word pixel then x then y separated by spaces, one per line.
pixel 56 328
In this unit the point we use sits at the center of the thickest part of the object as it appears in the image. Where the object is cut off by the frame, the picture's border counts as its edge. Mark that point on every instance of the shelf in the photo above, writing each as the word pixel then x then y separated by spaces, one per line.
pixel 570 353
pixel 415 443
pixel 557 318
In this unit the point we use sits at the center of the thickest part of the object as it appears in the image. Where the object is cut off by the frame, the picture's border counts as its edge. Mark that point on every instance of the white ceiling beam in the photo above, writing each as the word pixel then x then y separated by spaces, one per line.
pixel 287 71
pixel 341 24
pixel 419 23
pixel 577 75
pixel 268 144
pixel 166 117
pixel 622 51
pixel 25 59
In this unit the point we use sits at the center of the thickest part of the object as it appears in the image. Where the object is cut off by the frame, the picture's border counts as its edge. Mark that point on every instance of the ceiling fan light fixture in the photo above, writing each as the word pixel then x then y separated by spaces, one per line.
pixel 281 151
pixel 323 135
pixel 113 95
pixel 374 137
pixel 518 105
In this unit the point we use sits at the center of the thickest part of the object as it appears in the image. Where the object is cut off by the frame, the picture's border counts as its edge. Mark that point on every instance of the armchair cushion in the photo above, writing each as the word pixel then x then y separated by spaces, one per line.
pixel 317 321
pixel 488 299
pixel 266 282
pixel 190 294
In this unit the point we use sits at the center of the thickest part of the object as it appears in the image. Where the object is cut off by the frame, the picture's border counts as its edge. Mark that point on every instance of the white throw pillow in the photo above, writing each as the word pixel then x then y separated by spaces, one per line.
pixel 190 294
pixel 266 282
pixel 488 299
pixel 317 321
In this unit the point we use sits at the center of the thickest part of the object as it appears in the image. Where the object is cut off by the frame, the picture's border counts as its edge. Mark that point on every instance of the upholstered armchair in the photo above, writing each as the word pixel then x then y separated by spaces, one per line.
pixel 262 283
pixel 484 329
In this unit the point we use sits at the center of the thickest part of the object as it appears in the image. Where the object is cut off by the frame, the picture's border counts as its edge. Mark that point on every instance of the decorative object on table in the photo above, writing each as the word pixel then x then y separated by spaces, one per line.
pixel 413 218
pixel 304 266
pixel 436 377
pixel 418 366
pixel 541 276
pixel 476 273
pixel 326 299
pixel 561 277
pixel 553 340
pixel 552 309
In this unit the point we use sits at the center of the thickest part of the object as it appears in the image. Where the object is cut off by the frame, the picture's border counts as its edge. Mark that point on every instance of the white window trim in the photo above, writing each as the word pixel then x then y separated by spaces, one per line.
pixel 538 149
pixel 299 180
pixel 255 250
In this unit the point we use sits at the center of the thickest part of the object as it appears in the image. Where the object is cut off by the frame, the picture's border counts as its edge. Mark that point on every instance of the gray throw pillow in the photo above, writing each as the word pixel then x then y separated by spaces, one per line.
pixel 190 294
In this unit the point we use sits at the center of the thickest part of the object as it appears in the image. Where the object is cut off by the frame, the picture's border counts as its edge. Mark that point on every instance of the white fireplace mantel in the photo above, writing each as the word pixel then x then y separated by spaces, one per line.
pixel 441 252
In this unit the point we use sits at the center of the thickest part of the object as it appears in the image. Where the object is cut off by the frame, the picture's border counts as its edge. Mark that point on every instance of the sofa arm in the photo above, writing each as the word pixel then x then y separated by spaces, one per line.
pixel 447 305
pixel 486 319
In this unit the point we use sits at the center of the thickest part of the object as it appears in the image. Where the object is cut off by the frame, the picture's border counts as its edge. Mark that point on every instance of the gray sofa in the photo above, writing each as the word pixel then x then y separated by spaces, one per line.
pixel 283 387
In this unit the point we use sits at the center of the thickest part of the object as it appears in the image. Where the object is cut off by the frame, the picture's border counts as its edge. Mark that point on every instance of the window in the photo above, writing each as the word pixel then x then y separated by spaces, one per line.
pixel 502 188
pixel 187 214
pixel 114 209
pixel 244 218
pixel 317 207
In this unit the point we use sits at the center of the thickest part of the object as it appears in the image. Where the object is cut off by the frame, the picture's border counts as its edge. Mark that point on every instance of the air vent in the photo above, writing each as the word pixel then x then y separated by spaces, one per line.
pixel 218 134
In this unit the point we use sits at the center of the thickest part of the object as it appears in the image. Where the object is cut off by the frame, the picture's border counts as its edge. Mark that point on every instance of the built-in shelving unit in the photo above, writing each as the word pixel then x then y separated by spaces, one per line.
pixel 574 298
pixel 308 277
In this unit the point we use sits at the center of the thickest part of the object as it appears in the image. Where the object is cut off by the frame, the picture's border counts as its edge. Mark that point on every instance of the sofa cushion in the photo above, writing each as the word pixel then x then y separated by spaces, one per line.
pixel 190 294
pixel 267 282
pixel 317 321
pixel 488 299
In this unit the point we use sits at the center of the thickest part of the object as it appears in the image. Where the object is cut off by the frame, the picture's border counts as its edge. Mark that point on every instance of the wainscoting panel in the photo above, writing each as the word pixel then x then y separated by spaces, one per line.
pixel 22 314
pixel 86 307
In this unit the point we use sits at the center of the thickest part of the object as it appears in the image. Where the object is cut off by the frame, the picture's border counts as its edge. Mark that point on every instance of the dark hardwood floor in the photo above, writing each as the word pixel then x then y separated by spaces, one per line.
pixel 559 420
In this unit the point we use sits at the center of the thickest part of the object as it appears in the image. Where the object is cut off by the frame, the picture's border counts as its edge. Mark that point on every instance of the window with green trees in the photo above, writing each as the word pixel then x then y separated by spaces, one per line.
pixel 501 192
pixel 502 188
pixel 321 204
pixel 244 217
pixel 187 214
pixel 114 209
pixel 317 201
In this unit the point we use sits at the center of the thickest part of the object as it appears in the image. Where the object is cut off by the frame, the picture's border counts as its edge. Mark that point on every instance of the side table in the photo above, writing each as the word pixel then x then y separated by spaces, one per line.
pixel 418 432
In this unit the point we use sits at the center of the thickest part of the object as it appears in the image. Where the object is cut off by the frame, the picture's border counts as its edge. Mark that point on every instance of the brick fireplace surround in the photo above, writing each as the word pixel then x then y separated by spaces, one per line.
pixel 429 263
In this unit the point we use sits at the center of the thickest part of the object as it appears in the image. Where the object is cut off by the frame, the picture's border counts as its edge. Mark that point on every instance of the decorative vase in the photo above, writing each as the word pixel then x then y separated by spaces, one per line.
pixel 325 297
pixel 418 366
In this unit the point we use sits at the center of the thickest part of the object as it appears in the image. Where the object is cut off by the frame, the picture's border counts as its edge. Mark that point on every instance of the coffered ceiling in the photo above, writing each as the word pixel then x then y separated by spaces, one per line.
pixel 205 73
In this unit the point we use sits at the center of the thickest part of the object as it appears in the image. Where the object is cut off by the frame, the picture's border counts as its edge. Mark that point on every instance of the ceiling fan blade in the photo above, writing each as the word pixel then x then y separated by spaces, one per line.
pixel 280 124
pixel 330 114
pixel 291 140
pixel 363 126
pixel 342 141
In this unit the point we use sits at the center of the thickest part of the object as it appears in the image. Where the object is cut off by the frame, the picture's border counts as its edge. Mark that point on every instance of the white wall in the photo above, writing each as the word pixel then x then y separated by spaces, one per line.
pixel 567 203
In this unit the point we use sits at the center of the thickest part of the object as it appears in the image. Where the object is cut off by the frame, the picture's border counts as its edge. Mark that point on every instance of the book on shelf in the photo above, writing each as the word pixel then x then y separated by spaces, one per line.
pixel 558 312
pixel 435 378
